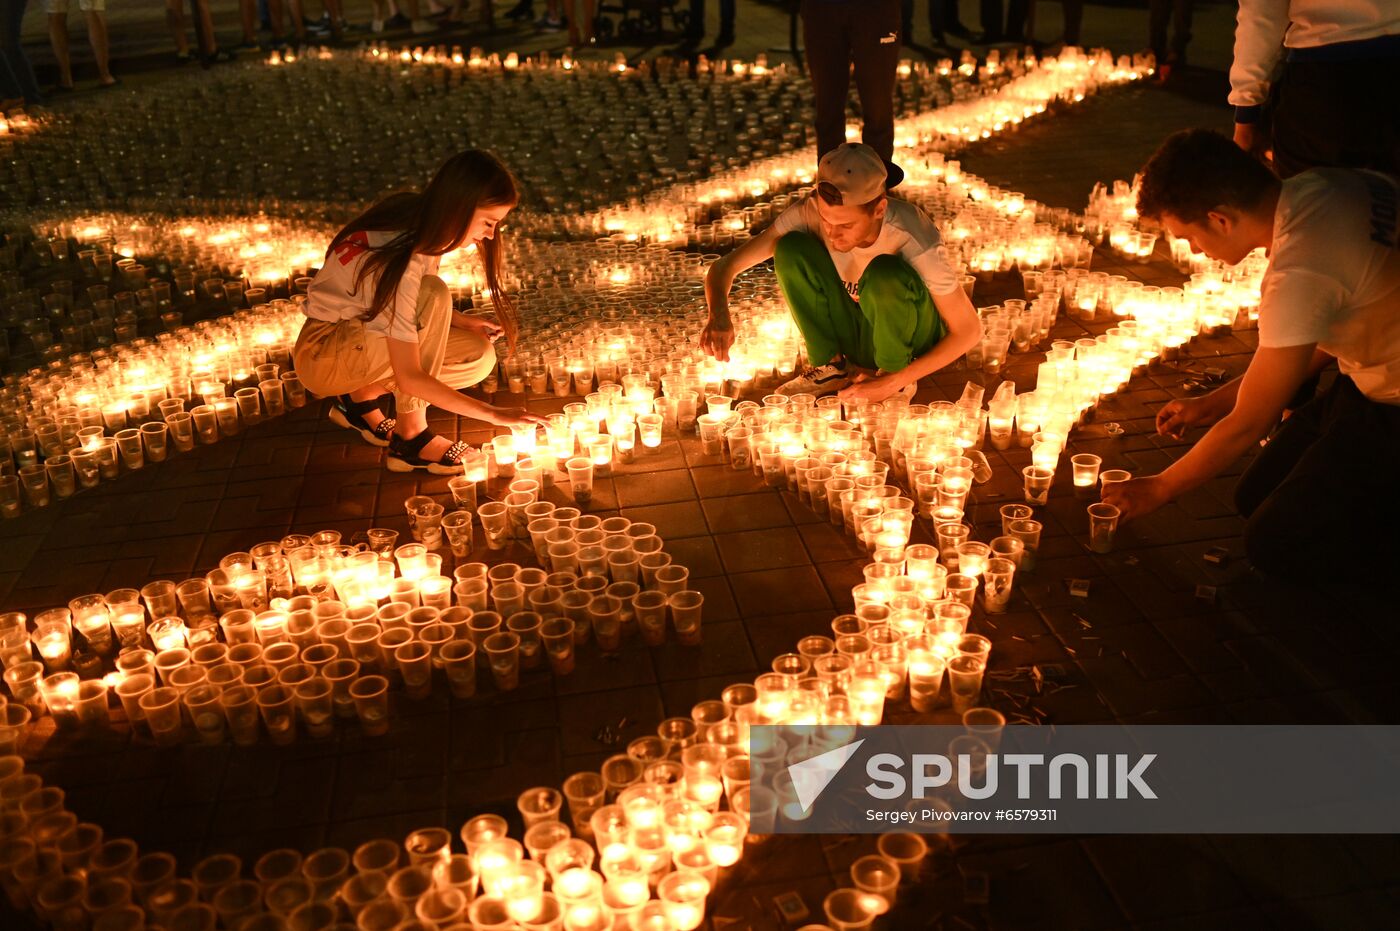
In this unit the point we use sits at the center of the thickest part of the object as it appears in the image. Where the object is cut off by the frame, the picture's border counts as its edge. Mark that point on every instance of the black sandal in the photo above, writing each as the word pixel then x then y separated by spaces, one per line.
pixel 351 415
pixel 403 455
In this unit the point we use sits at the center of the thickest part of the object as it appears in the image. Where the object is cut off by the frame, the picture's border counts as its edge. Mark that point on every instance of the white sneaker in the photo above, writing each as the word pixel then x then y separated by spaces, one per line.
pixel 821 380
pixel 423 26
pixel 376 25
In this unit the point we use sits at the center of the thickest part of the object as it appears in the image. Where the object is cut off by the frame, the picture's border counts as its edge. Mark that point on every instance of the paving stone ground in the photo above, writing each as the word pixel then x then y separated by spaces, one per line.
pixel 1261 652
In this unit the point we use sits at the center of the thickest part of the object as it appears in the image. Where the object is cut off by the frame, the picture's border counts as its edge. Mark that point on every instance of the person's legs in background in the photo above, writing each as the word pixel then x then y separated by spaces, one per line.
pixel 827 40
pixel 248 19
pixel 991 14
pixel 175 19
pixel 1074 21
pixel 58 38
pixel 874 40
pixel 16 74
pixel 97 38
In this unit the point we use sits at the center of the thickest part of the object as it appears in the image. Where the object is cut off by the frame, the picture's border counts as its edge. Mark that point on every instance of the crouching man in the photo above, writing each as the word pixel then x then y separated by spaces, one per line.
pixel 1320 498
pixel 877 304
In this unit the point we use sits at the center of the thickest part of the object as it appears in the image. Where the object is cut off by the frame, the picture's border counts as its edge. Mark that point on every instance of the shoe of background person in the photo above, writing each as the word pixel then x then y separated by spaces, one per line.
pixel 549 24
pixel 959 30
pixel 397 21
pixel 522 11
pixel 724 40
pixel 817 381
pixel 423 26
pixel 376 26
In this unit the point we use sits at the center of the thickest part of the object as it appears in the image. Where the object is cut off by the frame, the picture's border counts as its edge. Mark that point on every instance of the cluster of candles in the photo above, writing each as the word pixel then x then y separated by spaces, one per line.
pixel 1007 95
pixel 15 122
pixel 299 627
pixel 644 855
pixel 70 426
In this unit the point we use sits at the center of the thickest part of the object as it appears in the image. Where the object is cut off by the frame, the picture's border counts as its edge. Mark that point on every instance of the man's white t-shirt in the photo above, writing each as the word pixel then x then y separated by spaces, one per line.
pixel 332 295
pixel 1334 275
pixel 907 232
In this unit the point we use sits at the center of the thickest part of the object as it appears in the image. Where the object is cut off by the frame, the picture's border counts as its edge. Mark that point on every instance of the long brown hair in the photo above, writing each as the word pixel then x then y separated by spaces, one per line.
pixel 433 222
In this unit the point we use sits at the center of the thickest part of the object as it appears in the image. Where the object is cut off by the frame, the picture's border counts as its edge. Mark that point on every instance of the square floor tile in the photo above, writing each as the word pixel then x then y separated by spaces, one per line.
pixel 761 549
pixel 654 488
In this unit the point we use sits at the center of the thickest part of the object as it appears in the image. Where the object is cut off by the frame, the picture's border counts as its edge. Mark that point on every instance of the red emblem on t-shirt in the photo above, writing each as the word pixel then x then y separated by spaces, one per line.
pixel 351 246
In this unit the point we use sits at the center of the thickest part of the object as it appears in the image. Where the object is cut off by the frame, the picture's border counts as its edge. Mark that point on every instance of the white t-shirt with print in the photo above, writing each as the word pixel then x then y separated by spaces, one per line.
pixel 332 295
pixel 1334 275
pixel 906 232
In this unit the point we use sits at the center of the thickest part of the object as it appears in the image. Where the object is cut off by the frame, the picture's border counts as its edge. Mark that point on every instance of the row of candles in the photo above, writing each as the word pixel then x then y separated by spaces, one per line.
pixel 644 856
pixel 308 624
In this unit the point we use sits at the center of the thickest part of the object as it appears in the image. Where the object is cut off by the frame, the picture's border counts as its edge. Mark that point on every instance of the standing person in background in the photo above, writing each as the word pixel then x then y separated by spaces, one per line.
pixel 18 86
pixel 943 21
pixel 209 51
pixel 1170 58
pixel 97 38
pixel 695 29
pixel 838 33
pixel 1336 100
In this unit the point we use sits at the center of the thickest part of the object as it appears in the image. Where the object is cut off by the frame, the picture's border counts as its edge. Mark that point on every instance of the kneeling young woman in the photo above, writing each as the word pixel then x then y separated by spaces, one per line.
pixel 378 315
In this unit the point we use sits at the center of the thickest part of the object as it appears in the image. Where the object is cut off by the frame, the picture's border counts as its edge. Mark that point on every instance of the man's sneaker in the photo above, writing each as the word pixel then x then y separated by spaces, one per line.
pixel 549 24
pixel 821 380
pixel 423 26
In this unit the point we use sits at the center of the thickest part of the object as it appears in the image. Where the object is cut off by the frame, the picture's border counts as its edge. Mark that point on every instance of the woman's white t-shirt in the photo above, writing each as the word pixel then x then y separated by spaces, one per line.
pixel 1334 275
pixel 333 296
pixel 906 232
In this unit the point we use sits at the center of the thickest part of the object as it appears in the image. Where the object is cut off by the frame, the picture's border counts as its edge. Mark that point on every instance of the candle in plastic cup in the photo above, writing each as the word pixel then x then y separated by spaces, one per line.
pixel 459 664
pixel 685 616
pixel 1086 473
pixel 370 695
pixel 649 608
pixel 580 471
pixel 557 635
pixel 683 895
pixel 1103 524
pixel 1037 483
pixel 904 849
pixel 205 706
pixel 965 673
pixel 502 651
pixel 649 427
pixel 539 804
pixel 877 875
pixel 997 582
pixel 161 709
pixel 853 909
pixel 1109 476
pixel 925 679
pixel 276 705
pixel 495 524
